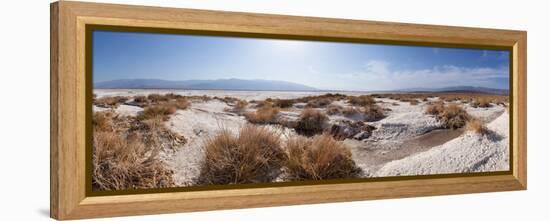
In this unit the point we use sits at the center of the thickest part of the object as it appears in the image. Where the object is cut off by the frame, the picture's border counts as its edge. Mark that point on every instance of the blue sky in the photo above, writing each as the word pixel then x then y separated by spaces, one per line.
pixel 323 65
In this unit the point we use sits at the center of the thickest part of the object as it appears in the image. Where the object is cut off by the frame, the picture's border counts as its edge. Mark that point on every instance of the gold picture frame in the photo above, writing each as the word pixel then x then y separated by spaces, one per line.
pixel 70 196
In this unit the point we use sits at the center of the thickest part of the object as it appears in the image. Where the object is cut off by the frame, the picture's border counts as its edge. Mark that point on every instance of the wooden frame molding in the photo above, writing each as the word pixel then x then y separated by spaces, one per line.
pixel 68 113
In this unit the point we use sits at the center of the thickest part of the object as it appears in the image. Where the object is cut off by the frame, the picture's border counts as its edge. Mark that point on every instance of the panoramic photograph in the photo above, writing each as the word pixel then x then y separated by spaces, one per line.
pixel 176 110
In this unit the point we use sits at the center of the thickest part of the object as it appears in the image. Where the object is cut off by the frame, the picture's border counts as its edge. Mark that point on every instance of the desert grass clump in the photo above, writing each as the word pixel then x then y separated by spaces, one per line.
pixel 122 162
pixel 373 113
pixel 156 98
pixel 181 103
pixel 238 107
pixel 264 115
pixel 362 100
pixel 311 122
pixel 161 111
pixel 110 102
pixel 334 109
pixel 351 111
pixel 283 103
pixel 453 116
pixel 254 155
pixel 123 156
pixel 476 126
pixel 482 102
pixel 103 121
pixel 319 102
pixel 435 108
pixel 318 158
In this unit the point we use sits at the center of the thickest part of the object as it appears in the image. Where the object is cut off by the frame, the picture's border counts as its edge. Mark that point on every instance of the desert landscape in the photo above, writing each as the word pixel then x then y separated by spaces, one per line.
pixel 186 110
pixel 156 138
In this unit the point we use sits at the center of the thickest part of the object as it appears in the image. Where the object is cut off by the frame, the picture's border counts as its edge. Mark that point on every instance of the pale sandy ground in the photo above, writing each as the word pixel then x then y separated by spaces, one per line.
pixel 406 142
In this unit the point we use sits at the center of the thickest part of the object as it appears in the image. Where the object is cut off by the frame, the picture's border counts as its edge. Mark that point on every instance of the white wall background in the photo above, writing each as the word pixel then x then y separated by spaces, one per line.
pixel 24 109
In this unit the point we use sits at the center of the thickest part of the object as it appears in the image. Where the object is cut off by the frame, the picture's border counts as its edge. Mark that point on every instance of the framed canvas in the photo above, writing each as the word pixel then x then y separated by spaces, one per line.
pixel 162 110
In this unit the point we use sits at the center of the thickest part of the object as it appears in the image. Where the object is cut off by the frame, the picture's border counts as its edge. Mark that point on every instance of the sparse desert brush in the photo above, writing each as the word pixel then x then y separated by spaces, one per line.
pixel 161 111
pixel 319 102
pixel 483 102
pixel 254 155
pixel 334 109
pixel 435 108
pixel 373 113
pixel 110 102
pixel 350 111
pixel 156 98
pixel 238 107
pixel 311 122
pixel 264 115
pixel 283 103
pixel 476 126
pixel 453 116
pixel 140 99
pixel 318 158
pixel 181 103
pixel 413 102
pixel 264 103
pixel 362 100
pixel 122 162
pixel 102 121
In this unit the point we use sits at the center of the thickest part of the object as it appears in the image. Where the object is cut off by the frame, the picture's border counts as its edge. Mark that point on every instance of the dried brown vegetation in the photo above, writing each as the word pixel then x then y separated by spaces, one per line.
pixel 362 100
pixel 453 116
pixel 476 126
pixel 254 155
pixel 311 122
pixel 109 102
pixel 351 111
pixel 283 103
pixel 263 115
pixel 125 153
pixel 481 102
pixel 435 108
pixel 334 109
pixel 319 158
pixel 373 113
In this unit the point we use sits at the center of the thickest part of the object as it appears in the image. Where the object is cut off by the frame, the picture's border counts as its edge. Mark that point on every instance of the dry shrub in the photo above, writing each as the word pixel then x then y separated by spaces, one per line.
pixel 156 98
pixel 319 102
pixel 362 100
pixel 110 102
pixel 140 101
pixel 350 111
pixel 453 116
pixel 334 109
pixel 283 103
pixel 435 108
pixel 103 120
pixel 124 158
pixel 260 104
pixel 125 162
pixel 311 122
pixel 481 102
pixel 414 102
pixel 319 158
pixel 181 103
pixel 253 156
pixel 264 115
pixel 239 107
pixel 161 111
pixel 373 113
pixel 477 126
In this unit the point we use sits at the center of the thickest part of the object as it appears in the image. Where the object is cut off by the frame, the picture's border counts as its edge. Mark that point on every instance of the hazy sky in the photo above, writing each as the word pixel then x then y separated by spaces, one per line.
pixel 323 65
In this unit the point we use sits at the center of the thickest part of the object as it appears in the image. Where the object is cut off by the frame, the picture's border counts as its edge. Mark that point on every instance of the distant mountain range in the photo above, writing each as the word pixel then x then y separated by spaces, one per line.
pixel 460 89
pixel 220 84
